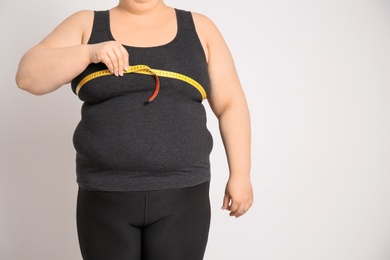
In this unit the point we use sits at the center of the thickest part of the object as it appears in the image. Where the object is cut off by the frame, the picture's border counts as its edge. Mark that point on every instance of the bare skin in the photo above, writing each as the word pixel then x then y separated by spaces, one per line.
pixel 153 24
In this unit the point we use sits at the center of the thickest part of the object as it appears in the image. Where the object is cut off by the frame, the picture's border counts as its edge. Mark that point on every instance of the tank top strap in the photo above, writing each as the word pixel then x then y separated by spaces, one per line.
pixel 100 28
pixel 185 20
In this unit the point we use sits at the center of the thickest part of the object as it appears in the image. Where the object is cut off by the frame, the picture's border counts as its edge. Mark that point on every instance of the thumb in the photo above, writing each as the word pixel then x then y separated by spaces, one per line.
pixel 226 200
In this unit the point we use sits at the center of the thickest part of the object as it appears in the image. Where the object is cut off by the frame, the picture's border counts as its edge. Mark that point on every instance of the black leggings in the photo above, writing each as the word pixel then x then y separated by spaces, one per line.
pixel 152 225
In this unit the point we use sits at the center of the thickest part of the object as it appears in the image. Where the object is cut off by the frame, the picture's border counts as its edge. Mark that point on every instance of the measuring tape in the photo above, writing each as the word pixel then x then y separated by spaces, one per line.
pixel 143 69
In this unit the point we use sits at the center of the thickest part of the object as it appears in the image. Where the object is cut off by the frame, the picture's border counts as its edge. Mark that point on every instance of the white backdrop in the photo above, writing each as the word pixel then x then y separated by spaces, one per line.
pixel 317 79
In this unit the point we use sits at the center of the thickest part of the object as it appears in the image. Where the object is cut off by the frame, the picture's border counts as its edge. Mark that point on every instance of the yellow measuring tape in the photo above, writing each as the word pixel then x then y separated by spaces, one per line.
pixel 143 69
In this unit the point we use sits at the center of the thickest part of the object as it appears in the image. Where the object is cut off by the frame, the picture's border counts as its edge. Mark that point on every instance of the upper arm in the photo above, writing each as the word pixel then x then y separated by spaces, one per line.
pixel 225 84
pixel 74 30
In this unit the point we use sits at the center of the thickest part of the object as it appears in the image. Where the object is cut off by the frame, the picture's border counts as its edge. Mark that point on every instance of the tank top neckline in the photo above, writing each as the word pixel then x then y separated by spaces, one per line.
pixel 146 47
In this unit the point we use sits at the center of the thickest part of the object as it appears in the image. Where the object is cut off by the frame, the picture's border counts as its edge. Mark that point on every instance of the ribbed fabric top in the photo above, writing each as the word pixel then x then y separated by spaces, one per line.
pixel 126 144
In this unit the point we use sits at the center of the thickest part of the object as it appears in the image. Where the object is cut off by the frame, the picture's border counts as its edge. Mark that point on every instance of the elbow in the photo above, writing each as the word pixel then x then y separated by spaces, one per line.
pixel 24 83
pixel 25 79
pixel 21 82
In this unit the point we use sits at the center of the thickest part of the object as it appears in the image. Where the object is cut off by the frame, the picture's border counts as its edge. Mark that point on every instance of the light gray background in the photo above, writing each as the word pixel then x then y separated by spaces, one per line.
pixel 317 78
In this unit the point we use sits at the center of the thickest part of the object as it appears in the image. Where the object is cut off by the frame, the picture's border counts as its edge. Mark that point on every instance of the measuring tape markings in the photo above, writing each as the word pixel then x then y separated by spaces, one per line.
pixel 143 69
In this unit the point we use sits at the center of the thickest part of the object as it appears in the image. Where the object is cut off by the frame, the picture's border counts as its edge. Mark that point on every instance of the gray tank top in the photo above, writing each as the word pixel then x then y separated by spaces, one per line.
pixel 126 144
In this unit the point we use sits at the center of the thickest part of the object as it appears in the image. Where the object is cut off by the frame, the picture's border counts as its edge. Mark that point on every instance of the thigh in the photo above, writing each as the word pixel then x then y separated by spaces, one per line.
pixel 103 228
pixel 181 232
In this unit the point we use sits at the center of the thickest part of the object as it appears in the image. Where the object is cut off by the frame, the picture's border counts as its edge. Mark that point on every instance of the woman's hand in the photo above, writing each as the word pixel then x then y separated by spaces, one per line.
pixel 112 54
pixel 238 196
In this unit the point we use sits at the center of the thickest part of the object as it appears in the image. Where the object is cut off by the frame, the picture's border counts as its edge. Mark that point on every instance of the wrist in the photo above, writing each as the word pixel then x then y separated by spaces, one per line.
pixel 239 175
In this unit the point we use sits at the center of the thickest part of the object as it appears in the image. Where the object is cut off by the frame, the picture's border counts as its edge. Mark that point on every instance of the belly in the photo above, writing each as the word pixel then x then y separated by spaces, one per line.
pixel 133 136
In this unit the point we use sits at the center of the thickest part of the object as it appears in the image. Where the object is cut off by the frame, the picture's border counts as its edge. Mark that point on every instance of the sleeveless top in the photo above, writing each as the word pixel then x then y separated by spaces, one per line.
pixel 126 144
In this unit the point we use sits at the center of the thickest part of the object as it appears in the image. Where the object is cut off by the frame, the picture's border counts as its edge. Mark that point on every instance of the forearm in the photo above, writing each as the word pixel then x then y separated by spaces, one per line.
pixel 235 130
pixel 44 70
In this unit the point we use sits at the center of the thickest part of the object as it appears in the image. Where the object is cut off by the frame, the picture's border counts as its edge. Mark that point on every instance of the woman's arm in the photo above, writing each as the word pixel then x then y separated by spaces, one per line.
pixel 228 102
pixel 64 54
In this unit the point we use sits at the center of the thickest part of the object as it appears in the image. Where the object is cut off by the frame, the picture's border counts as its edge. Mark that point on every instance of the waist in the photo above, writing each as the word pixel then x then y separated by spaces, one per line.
pixel 131 138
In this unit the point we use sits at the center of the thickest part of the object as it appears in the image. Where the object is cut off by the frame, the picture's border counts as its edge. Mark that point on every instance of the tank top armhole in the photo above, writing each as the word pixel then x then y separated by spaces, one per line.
pixel 186 23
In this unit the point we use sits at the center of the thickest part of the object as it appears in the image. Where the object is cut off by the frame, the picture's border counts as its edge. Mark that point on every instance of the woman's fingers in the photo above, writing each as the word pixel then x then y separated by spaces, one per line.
pixel 240 209
pixel 238 197
pixel 110 61
pixel 122 60
pixel 226 202
pixel 112 54
pixel 115 62
pixel 237 210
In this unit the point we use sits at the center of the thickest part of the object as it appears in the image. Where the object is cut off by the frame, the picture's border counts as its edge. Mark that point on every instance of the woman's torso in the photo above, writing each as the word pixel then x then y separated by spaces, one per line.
pixel 124 143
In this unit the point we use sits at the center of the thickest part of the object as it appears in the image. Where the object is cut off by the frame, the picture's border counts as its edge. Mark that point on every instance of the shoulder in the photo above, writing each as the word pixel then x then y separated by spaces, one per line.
pixel 208 32
pixel 205 27
pixel 79 22
pixel 81 18
pixel 82 15
pixel 75 29
pixel 203 22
